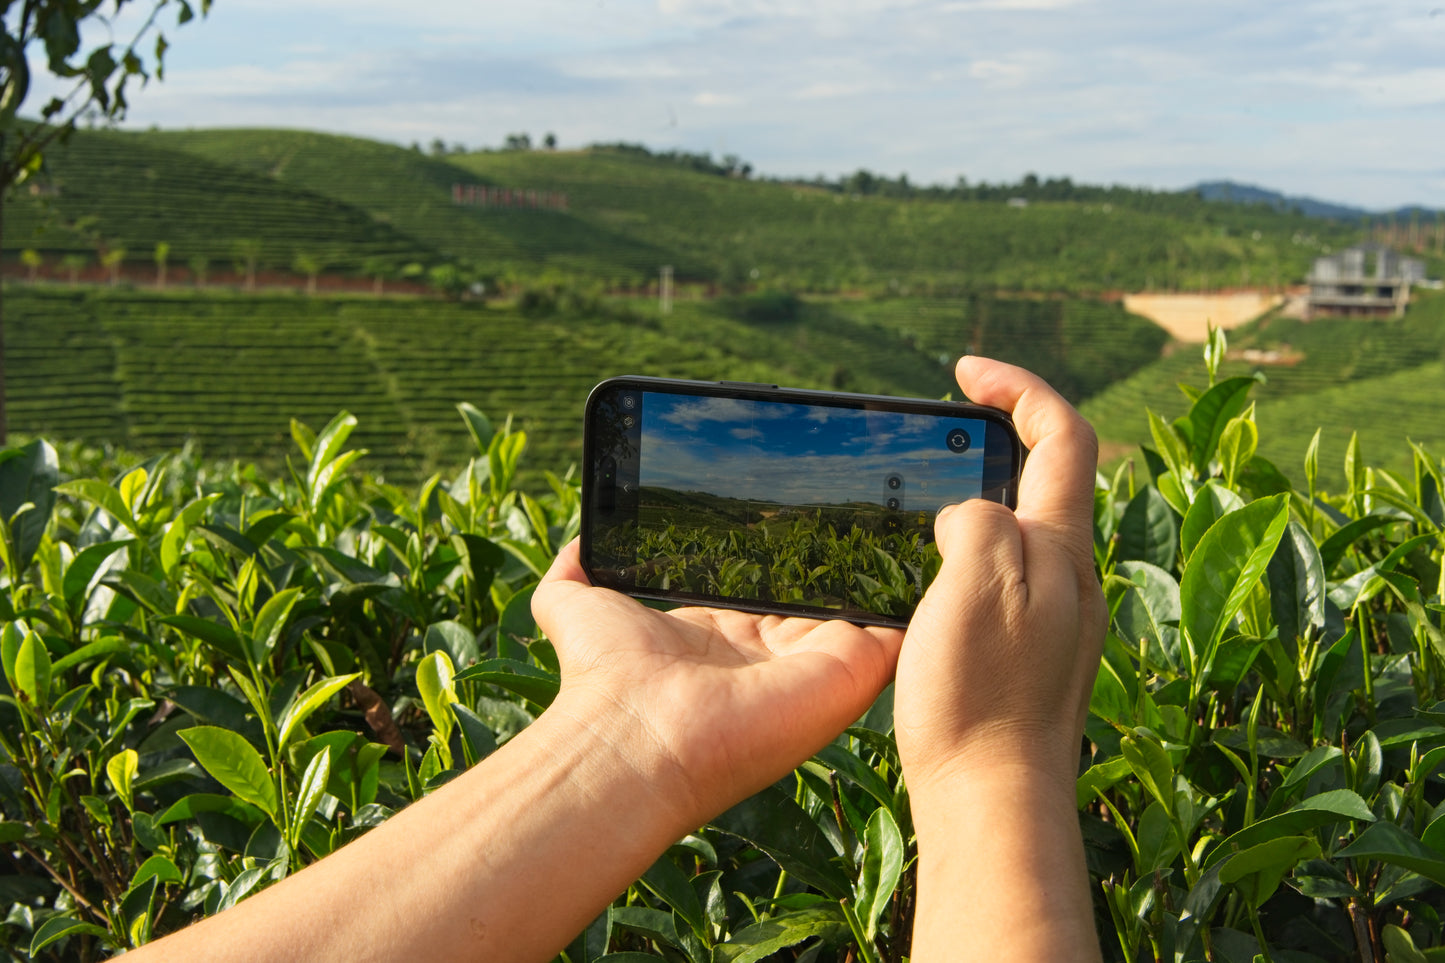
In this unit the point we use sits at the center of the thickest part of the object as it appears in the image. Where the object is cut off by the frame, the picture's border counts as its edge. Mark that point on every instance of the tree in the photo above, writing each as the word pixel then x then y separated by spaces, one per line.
pixel 248 252
pixel 309 265
pixel 550 141
pixel 112 260
pixel 378 269
pixel 73 264
pixel 199 264
pixel 163 252
pixel 51 31
pixel 518 142
pixel 33 262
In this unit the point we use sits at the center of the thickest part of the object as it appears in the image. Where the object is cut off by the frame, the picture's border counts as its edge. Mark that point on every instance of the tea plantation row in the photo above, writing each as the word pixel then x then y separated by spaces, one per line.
pixel 155 370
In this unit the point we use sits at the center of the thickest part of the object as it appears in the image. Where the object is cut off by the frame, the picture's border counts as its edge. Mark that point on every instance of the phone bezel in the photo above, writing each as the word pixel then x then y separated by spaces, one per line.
pixel 1000 486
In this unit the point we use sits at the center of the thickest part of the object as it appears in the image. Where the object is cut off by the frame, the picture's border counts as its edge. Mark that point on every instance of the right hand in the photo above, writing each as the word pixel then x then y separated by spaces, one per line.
pixel 999 661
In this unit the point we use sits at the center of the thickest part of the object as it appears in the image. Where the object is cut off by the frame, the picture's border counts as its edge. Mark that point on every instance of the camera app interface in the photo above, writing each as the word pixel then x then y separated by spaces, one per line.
pixel 829 507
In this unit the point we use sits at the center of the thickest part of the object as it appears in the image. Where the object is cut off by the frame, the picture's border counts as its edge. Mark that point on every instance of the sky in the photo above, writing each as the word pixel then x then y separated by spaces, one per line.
pixel 792 454
pixel 1336 99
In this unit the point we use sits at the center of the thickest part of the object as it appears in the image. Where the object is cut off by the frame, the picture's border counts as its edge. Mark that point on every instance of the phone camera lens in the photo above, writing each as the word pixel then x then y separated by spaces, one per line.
pixel 629 402
pixel 627 421
pixel 895 482
pixel 958 441
pixel 893 504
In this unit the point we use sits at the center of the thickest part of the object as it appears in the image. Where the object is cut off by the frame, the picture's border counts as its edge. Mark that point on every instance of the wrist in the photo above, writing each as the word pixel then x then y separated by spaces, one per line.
pixel 611 750
pixel 1038 760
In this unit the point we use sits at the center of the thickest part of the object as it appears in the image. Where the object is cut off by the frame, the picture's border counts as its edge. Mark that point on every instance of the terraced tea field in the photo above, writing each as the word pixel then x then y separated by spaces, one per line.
pixel 111 190
pixel 153 371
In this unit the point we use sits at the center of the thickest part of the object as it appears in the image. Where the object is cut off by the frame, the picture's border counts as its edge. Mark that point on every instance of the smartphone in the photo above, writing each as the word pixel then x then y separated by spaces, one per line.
pixel 780 500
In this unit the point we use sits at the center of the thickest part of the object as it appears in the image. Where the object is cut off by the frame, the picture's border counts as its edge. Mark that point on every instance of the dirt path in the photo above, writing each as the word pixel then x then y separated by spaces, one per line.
pixel 1187 316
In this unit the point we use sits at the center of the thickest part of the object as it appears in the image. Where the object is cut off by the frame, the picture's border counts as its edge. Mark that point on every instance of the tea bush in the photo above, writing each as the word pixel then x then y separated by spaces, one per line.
pixel 215 677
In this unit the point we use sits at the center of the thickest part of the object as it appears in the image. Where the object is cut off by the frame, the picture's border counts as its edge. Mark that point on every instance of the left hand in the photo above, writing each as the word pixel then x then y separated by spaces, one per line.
pixel 715 703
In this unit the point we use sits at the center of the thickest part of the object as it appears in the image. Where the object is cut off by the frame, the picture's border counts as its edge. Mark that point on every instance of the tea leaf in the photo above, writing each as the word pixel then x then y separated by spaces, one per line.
pixel 882 869
pixel 776 825
pixel 1390 844
pixel 233 763
pixel 311 700
pixel 1230 559
pixel 120 770
pixel 32 673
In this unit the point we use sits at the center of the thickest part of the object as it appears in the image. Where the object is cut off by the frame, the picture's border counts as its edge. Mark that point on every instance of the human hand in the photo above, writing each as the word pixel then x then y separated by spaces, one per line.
pixel 710 705
pixel 1000 657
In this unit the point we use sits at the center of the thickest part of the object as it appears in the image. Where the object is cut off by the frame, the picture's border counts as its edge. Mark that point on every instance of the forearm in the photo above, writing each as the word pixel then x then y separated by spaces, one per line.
pixel 506 862
pixel 1001 871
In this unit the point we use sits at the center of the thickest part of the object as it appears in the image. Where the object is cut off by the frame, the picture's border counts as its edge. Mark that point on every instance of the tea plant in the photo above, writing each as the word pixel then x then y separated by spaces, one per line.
pixel 213 678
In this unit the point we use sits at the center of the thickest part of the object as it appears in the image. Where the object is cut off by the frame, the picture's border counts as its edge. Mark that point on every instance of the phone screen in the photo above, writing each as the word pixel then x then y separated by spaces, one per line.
pixel 780 501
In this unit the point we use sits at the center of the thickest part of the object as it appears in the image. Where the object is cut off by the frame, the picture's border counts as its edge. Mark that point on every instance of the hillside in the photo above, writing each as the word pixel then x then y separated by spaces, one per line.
pixel 154 370
pixel 627 214
pixel 109 190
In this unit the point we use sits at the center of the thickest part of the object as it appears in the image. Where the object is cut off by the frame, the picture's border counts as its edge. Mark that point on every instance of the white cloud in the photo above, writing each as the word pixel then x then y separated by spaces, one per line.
pixel 1123 91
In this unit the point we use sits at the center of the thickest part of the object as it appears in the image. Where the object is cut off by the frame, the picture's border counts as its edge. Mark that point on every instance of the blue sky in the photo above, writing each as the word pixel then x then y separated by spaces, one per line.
pixel 1337 99
pixel 791 454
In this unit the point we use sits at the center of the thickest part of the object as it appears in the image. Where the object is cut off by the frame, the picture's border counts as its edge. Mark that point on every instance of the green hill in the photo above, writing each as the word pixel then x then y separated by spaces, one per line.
pixel 629 213
pixel 112 190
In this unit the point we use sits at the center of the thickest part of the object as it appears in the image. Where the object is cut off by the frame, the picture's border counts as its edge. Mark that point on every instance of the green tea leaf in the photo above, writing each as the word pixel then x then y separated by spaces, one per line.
pixel 671 886
pixel 761 940
pixel 1297 587
pixel 271 621
pixel 434 682
pixel 773 823
pixel 1148 530
pixel 1210 414
pixel 121 770
pixel 1389 843
pixel 234 763
pixel 32 673
pixel 882 868
pixel 1257 872
pixel 311 700
pixel 59 927
pixel 1230 558
pixel 1211 503
pixel 522 678
pixel 86 570
pixel 1338 805
pixel 28 476
pixel 1150 763
pixel 308 797
pixel 479 426
pixel 218 636
pixel 103 497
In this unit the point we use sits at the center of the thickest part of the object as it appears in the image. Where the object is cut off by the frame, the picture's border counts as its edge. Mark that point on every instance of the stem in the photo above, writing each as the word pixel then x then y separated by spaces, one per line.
pixel 1259 934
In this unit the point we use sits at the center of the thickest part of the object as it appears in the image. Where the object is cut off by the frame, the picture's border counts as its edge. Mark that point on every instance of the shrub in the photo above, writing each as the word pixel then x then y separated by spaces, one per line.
pixel 1260 774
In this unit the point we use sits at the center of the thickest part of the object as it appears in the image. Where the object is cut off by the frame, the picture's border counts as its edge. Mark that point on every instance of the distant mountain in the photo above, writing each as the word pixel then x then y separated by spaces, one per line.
pixel 1247 194
pixel 1229 191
